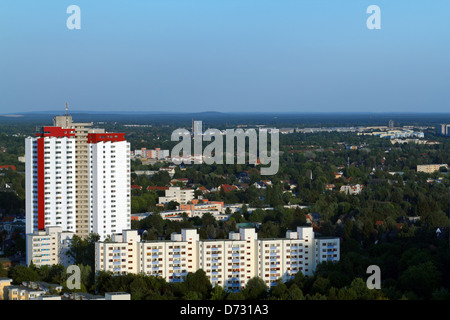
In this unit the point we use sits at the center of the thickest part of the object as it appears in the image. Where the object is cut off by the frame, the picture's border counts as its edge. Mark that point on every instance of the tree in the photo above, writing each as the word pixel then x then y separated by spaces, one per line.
pixel 320 285
pixel 199 283
pixel 218 293
pixel 278 291
pixel 299 218
pixel 21 274
pixel 83 250
pixel 138 288
pixel 208 219
pixel 3 271
pixel 348 229
pixel 235 296
pixel 269 229
pixel 237 217
pixel 256 289
pixel 172 205
pixel 421 279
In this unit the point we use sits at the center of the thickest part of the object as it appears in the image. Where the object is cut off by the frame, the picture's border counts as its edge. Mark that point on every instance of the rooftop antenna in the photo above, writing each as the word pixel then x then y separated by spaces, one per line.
pixel 67 114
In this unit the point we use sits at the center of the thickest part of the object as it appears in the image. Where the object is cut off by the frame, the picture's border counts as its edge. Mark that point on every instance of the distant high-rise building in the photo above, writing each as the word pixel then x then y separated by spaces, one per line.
pixel 391 124
pixel 443 129
pixel 77 178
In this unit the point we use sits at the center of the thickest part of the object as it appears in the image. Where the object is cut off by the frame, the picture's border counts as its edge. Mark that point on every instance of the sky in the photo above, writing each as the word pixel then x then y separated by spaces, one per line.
pixel 225 55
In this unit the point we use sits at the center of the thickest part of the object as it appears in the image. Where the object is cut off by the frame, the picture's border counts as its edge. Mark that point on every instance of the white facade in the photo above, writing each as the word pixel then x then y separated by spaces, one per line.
pixel 229 263
pixel 49 247
pixel 177 194
pixel 352 189
pixel 117 296
pixel 110 199
pixel 59 182
pixel 78 179
pixel 327 249
pixel 430 168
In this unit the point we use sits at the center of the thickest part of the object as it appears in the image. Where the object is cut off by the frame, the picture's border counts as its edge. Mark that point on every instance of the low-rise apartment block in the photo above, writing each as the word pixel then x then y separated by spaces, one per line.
pixel 177 194
pixel 352 189
pixel 229 263
pixel 49 247
pixel 430 168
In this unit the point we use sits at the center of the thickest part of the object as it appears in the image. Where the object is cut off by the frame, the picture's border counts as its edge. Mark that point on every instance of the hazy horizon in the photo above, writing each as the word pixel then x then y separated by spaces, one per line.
pixel 225 56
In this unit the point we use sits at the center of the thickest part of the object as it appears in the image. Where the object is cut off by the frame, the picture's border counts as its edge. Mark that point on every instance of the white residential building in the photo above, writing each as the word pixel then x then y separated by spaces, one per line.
pixel 430 168
pixel 177 194
pixel 77 178
pixel 49 247
pixel 326 249
pixel 352 189
pixel 117 296
pixel 229 263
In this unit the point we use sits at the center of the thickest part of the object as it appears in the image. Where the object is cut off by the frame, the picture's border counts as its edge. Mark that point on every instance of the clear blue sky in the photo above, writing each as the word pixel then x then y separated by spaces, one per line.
pixel 225 55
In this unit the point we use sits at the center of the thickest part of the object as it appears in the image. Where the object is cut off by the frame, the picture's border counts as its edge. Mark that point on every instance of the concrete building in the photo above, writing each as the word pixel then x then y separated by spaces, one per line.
pixel 443 129
pixel 77 178
pixel 391 124
pixel 352 189
pixel 430 168
pixel 177 194
pixel 49 297
pixel 156 153
pixel 21 293
pixel 202 205
pixel 4 282
pixel 49 247
pixel 229 263
pixel 117 296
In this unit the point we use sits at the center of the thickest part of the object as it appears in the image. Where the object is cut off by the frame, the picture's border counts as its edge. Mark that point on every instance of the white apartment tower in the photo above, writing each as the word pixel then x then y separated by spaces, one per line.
pixel 77 178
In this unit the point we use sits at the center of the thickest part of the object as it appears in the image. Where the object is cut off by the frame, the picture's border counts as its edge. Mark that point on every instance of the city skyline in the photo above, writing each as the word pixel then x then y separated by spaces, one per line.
pixel 234 56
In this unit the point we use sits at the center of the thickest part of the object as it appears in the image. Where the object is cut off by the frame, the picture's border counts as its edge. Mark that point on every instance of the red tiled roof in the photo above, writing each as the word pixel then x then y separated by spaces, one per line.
pixel 157 188
pixel 228 188
pixel 8 166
